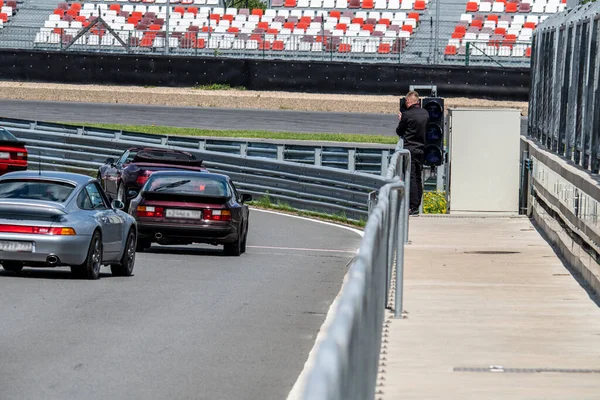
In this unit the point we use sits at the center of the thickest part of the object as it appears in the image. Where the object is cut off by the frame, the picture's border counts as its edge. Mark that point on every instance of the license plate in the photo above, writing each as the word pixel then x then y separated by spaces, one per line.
pixel 191 214
pixel 6 245
pixel 4 154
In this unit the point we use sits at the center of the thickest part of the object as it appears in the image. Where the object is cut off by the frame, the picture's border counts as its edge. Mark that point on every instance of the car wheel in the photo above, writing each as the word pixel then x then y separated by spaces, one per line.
pixel 125 268
pixel 90 269
pixel 143 245
pixel 12 266
pixel 233 249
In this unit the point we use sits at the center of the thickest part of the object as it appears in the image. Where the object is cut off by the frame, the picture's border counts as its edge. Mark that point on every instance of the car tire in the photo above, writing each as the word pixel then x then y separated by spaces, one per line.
pixel 143 245
pixel 243 245
pixel 12 266
pixel 125 268
pixel 90 269
pixel 233 249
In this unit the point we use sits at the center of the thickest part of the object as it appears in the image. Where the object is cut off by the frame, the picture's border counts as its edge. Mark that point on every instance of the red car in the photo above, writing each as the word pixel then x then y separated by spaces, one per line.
pixel 13 154
pixel 183 207
pixel 123 178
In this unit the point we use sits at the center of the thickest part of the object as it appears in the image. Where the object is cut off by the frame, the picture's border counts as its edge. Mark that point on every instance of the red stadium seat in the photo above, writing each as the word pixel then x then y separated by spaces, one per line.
pixel 200 43
pixel 407 28
pixel 384 21
pixel 472 6
pixel 358 21
pixel 528 52
pixel 264 45
pixel 419 5
pixel 257 11
pixel 278 45
pixel 289 25
pixel 290 3
pixel 384 48
pixel 227 17
pixel 342 27
pixel 179 9
pixel 193 10
pixel 458 35
pixel 368 27
pixel 530 25
pixel 367 4
pixel 477 24
pixel 335 14
pixel 500 31
pixel 492 17
pixel 344 48
pixel 511 7
pixel 450 51
pixel 413 15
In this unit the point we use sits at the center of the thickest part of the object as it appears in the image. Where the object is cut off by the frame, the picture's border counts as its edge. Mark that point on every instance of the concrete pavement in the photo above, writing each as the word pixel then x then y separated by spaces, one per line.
pixel 481 292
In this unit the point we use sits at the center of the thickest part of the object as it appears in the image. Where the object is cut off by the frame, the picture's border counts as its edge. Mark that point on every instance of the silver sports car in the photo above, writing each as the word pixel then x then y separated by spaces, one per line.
pixel 50 219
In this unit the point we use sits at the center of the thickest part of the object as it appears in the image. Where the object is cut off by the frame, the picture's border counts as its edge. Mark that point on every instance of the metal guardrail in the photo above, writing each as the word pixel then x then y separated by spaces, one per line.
pixel 367 158
pixel 564 105
pixel 346 360
pixel 316 188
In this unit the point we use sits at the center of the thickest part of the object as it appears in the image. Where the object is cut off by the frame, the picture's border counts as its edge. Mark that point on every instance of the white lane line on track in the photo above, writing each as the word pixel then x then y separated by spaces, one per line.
pixel 357 231
pixel 303 249
pixel 301 381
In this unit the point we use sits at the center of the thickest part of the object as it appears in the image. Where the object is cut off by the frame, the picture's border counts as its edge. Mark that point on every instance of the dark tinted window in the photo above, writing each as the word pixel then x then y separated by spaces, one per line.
pixel 157 155
pixel 35 190
pixel 187 184
pixel 83 200
pixel 6 136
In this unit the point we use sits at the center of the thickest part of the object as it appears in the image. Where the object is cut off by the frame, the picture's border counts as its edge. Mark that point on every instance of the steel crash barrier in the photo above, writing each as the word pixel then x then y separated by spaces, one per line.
pixel 344 364
pixel 368 157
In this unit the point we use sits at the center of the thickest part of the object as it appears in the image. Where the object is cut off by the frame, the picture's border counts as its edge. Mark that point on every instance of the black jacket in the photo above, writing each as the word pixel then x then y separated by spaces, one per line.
pixel 412 129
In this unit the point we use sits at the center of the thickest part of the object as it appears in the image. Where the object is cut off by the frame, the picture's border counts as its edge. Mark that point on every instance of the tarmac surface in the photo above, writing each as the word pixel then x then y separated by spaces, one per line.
pixel 190 324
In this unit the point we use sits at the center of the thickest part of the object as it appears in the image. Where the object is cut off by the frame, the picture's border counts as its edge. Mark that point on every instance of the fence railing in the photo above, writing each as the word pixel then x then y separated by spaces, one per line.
pixel 367 158
pixel 345 363
pixel 564 105
pixel 317 188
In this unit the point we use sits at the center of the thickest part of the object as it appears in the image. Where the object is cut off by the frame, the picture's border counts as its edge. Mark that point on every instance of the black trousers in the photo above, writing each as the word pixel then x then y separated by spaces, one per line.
pixel 416 183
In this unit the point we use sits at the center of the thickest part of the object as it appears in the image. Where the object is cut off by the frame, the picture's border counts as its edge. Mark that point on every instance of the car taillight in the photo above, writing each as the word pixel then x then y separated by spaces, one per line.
pixel 20 155
pixel 141 179
pixel 216 215
pixel 149 211
pixel 40 230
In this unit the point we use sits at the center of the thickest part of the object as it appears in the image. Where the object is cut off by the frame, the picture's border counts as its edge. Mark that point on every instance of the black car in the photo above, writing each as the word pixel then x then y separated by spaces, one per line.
pixel 184 207
pixel 122 179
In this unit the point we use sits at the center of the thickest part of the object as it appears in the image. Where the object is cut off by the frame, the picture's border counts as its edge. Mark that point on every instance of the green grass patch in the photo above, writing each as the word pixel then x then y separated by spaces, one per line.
pixel 247 134
pixel 218 86
pixel 265 202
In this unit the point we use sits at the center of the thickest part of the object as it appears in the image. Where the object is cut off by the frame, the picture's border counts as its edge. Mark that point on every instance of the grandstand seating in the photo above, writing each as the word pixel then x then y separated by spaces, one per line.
pixel 8 8
pixel 499 28
pixel 367 26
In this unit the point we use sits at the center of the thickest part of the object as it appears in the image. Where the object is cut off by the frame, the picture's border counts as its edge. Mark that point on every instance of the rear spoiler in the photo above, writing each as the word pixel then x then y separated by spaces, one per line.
pixel 22 208
pixel 189 197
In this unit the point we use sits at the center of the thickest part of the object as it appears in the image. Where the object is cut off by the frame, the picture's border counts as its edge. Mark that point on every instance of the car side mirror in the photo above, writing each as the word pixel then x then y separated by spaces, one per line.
pixel 110 161
pixel 245 197
pixel 132 193
pixel 118 205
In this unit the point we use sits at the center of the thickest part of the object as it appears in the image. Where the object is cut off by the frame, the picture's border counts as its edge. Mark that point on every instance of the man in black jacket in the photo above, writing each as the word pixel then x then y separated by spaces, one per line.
pixel 411 128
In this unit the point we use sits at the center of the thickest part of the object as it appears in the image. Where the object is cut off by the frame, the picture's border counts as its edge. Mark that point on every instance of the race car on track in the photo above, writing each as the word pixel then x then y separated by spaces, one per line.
pixel 52 219
pixel 183 207
pixel 13 154
pixel 122 179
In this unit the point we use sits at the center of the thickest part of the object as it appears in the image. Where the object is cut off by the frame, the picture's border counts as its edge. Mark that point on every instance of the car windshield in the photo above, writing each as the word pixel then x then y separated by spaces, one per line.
pixel 157 155
pixel 187 184
pixel 6 136
pixel 35 190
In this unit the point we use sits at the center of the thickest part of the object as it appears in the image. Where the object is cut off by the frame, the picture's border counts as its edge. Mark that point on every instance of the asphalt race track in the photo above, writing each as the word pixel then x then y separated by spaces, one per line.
pixel 203 118
pixel 206 118
pixel 191 323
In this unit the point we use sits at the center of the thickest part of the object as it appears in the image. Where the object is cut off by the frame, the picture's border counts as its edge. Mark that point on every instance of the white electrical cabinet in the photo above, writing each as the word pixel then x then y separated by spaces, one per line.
pixel 483 160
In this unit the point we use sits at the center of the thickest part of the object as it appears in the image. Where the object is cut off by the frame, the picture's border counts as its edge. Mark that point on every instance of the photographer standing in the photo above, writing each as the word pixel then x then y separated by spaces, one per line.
pixel 411 128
